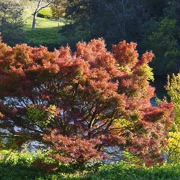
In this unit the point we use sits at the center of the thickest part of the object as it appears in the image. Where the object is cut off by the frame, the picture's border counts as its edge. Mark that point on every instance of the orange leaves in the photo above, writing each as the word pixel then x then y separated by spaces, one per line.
pixel 64 53
pixel 147 57
pixel 1 115
pixel 160 113
pixel 73 149
pixel 93 94
pixel 91 50
pixel 22 54
pixel 52 68
pixel 125 54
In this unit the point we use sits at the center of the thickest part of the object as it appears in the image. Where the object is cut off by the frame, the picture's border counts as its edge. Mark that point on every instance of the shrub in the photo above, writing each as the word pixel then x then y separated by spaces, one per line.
pixel 45 13
pixel 173 148
pixel 127 172
pixel 38 165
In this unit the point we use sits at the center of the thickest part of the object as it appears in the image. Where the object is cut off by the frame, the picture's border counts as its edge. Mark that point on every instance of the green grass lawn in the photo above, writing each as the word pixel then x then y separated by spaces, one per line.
pixel 46 31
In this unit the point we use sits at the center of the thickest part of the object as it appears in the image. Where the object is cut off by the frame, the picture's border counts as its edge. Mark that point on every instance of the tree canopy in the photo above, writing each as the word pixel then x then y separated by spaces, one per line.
pixel 91 96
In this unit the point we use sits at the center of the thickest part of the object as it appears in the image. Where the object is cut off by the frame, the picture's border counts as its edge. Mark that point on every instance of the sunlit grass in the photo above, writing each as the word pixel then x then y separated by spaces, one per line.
pixel 40 22
pixel 46 31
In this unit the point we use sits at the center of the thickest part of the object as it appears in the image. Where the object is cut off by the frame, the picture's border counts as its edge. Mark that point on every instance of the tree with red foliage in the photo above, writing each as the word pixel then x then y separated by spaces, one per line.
pixel 91 97
pixel 72 149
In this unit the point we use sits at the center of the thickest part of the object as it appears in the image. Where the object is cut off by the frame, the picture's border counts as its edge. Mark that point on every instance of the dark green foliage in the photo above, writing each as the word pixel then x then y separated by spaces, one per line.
pixel 161 35
pixel 153 24
pixel 112 20
pixel 11 22
pixel 18 172
pixel 154 7
pixel 162 38
pixel 72 33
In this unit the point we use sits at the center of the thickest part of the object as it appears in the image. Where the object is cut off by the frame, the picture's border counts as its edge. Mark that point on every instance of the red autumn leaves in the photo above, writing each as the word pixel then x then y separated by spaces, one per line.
pixel 101 98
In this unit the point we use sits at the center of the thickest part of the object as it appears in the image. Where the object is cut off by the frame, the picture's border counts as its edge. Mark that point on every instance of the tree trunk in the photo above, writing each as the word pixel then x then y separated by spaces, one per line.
pixel 38 8
pixel 34 20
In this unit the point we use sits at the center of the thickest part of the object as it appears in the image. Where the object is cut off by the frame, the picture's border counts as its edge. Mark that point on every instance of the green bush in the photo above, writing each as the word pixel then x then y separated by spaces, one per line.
pixel 45 13
pixel 20 166
pixel 129 172
pixel 173 146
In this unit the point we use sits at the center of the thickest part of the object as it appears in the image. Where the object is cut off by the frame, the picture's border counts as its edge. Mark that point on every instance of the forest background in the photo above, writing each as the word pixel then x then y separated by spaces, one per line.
pixel 153 25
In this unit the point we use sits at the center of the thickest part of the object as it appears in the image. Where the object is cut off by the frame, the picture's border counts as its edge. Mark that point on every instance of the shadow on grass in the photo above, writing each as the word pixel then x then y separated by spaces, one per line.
pixel 20 172
pixel 40 35
pixel 49 37
pixel 25 172
pixel 53 38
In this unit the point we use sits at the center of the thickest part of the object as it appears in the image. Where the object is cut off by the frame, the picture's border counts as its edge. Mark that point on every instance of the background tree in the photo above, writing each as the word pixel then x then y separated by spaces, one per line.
pixel 152 24
pixel 39 6
pixel 155 8
pixel 11 22
pixel 120 20
pixel 173 148
pixel 58 9
pixel 161 35
pixel 92 96
pixel 173 88
pixel 113 20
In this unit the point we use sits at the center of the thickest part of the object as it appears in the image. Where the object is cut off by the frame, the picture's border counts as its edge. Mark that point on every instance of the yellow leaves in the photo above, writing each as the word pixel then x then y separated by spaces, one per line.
pixel 125 69
pixel 147 71
pixel 175 135
pixel 174 141
pixel 173 88
pixel 51 109
pixel 121 123
pixel 178 120
pixel 173 146
pixel 51 112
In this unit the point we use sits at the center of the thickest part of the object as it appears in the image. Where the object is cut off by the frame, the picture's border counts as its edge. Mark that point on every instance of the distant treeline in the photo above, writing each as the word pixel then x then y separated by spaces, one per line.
pixel 154 25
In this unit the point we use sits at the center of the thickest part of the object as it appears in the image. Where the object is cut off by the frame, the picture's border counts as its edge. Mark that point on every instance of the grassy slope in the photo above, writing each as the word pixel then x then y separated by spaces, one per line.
pixel 46 31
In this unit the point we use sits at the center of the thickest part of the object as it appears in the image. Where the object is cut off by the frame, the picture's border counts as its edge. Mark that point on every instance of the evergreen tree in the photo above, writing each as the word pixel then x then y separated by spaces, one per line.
pixel 11 22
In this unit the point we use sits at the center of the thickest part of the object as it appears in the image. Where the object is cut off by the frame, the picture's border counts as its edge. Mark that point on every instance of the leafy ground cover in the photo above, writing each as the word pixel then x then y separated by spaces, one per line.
pixel 16 165
pixel 130 172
